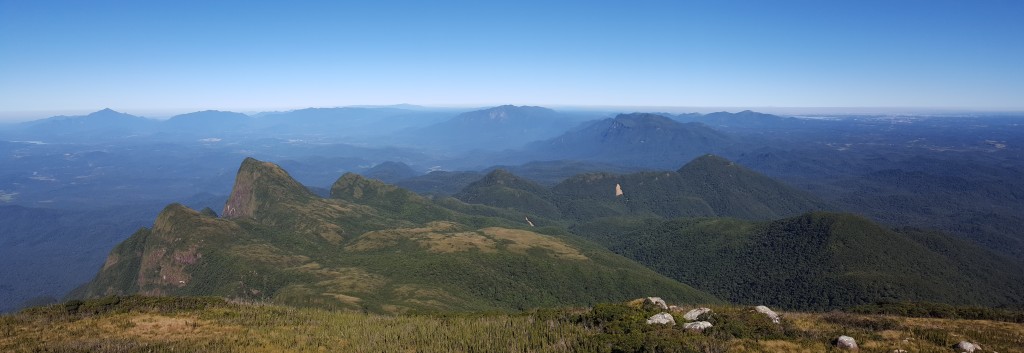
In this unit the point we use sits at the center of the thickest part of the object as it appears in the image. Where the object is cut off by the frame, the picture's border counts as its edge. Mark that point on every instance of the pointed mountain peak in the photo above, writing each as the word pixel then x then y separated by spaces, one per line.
pixel 260 184
pixel 107 112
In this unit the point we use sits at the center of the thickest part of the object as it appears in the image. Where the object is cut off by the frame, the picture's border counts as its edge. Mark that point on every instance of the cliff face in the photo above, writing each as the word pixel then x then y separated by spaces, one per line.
pixel 158 261
pixel 257 185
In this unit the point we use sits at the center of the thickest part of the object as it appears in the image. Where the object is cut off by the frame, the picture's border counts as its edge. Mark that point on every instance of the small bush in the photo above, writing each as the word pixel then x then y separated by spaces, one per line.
pixel 72 306
pixel 742 323
pixel 871 323
pixel 616 319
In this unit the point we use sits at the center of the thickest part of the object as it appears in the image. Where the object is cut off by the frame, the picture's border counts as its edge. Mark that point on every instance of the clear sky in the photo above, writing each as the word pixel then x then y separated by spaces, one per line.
pixel 138 56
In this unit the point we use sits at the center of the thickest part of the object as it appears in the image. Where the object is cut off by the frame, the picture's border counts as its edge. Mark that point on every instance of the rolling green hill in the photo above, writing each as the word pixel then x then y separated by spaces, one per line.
pixel 814 261
pixel 372 247
pixel 502 189
pixel 708 186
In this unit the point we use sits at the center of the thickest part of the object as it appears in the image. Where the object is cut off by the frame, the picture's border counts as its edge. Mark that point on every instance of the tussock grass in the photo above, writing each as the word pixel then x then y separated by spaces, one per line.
pixel 148 324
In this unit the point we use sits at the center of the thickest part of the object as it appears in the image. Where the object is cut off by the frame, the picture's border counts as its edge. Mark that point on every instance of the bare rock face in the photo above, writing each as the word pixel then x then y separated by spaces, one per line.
pixel 767 312
pixel 968 347
pixel 692 315
pixel 847 343
pixel 655 302
pixel 662 318
pixel 697 326
pixel 257 185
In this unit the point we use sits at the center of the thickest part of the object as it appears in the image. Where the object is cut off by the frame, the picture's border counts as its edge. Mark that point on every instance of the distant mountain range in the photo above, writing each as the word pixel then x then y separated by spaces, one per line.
pixel 494 129
pixel 106 122
pixel 639 139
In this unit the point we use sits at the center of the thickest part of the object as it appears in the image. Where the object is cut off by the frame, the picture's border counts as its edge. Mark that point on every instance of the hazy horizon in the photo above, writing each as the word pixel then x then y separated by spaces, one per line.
pixel 73 57
pixel 162 114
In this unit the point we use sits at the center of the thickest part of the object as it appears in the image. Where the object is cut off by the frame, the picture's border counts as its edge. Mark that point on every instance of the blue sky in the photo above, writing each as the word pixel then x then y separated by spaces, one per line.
pixel 149 56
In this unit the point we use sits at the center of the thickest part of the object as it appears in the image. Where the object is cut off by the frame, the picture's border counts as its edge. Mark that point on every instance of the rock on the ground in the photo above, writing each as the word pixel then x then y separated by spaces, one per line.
pixel 697 326
pixel 662 318
pixel 767 312
pixel 846 342
pixel 692 315
pixel 968 347
pixel 655 302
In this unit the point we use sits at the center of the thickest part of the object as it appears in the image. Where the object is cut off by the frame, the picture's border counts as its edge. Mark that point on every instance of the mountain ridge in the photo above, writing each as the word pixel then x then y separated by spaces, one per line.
pixel 706 186
pixel 371 246
pixel 637 139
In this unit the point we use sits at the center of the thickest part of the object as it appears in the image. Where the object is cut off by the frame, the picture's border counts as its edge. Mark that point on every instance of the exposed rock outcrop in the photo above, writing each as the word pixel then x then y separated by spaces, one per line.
pixel 968 347
pixel 767 312
pixel 697 326
pixel 257 185
pixel 662 318
pixel 692 315
pixel 847 343
pixel 655 302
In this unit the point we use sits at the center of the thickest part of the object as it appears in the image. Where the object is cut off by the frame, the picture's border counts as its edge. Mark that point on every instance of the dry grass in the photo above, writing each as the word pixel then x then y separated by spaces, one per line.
pixel 446 237
pixel 236 327
pixel 522 241
pixel 910 334
pixel 244 328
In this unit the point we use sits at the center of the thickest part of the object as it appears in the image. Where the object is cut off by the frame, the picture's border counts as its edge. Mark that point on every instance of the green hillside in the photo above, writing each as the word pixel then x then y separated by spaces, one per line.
pixel 814 261
pixel 371 247
pixel 708 186
pixel 502 189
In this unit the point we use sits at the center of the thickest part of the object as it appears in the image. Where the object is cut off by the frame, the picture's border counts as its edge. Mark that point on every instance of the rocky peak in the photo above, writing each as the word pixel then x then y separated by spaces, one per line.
pixel 260 184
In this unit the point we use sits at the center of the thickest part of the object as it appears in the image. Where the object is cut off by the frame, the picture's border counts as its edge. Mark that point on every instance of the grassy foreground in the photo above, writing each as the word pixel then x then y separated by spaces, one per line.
pixel 157 324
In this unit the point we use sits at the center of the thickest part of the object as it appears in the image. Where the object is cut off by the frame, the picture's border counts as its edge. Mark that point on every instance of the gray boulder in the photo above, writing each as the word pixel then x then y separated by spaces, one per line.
pixel 655 302
pixel 847 343
pixel 767 312
pixel 968 347
pixel 692 315
pixel 662 318
pixel 697 326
